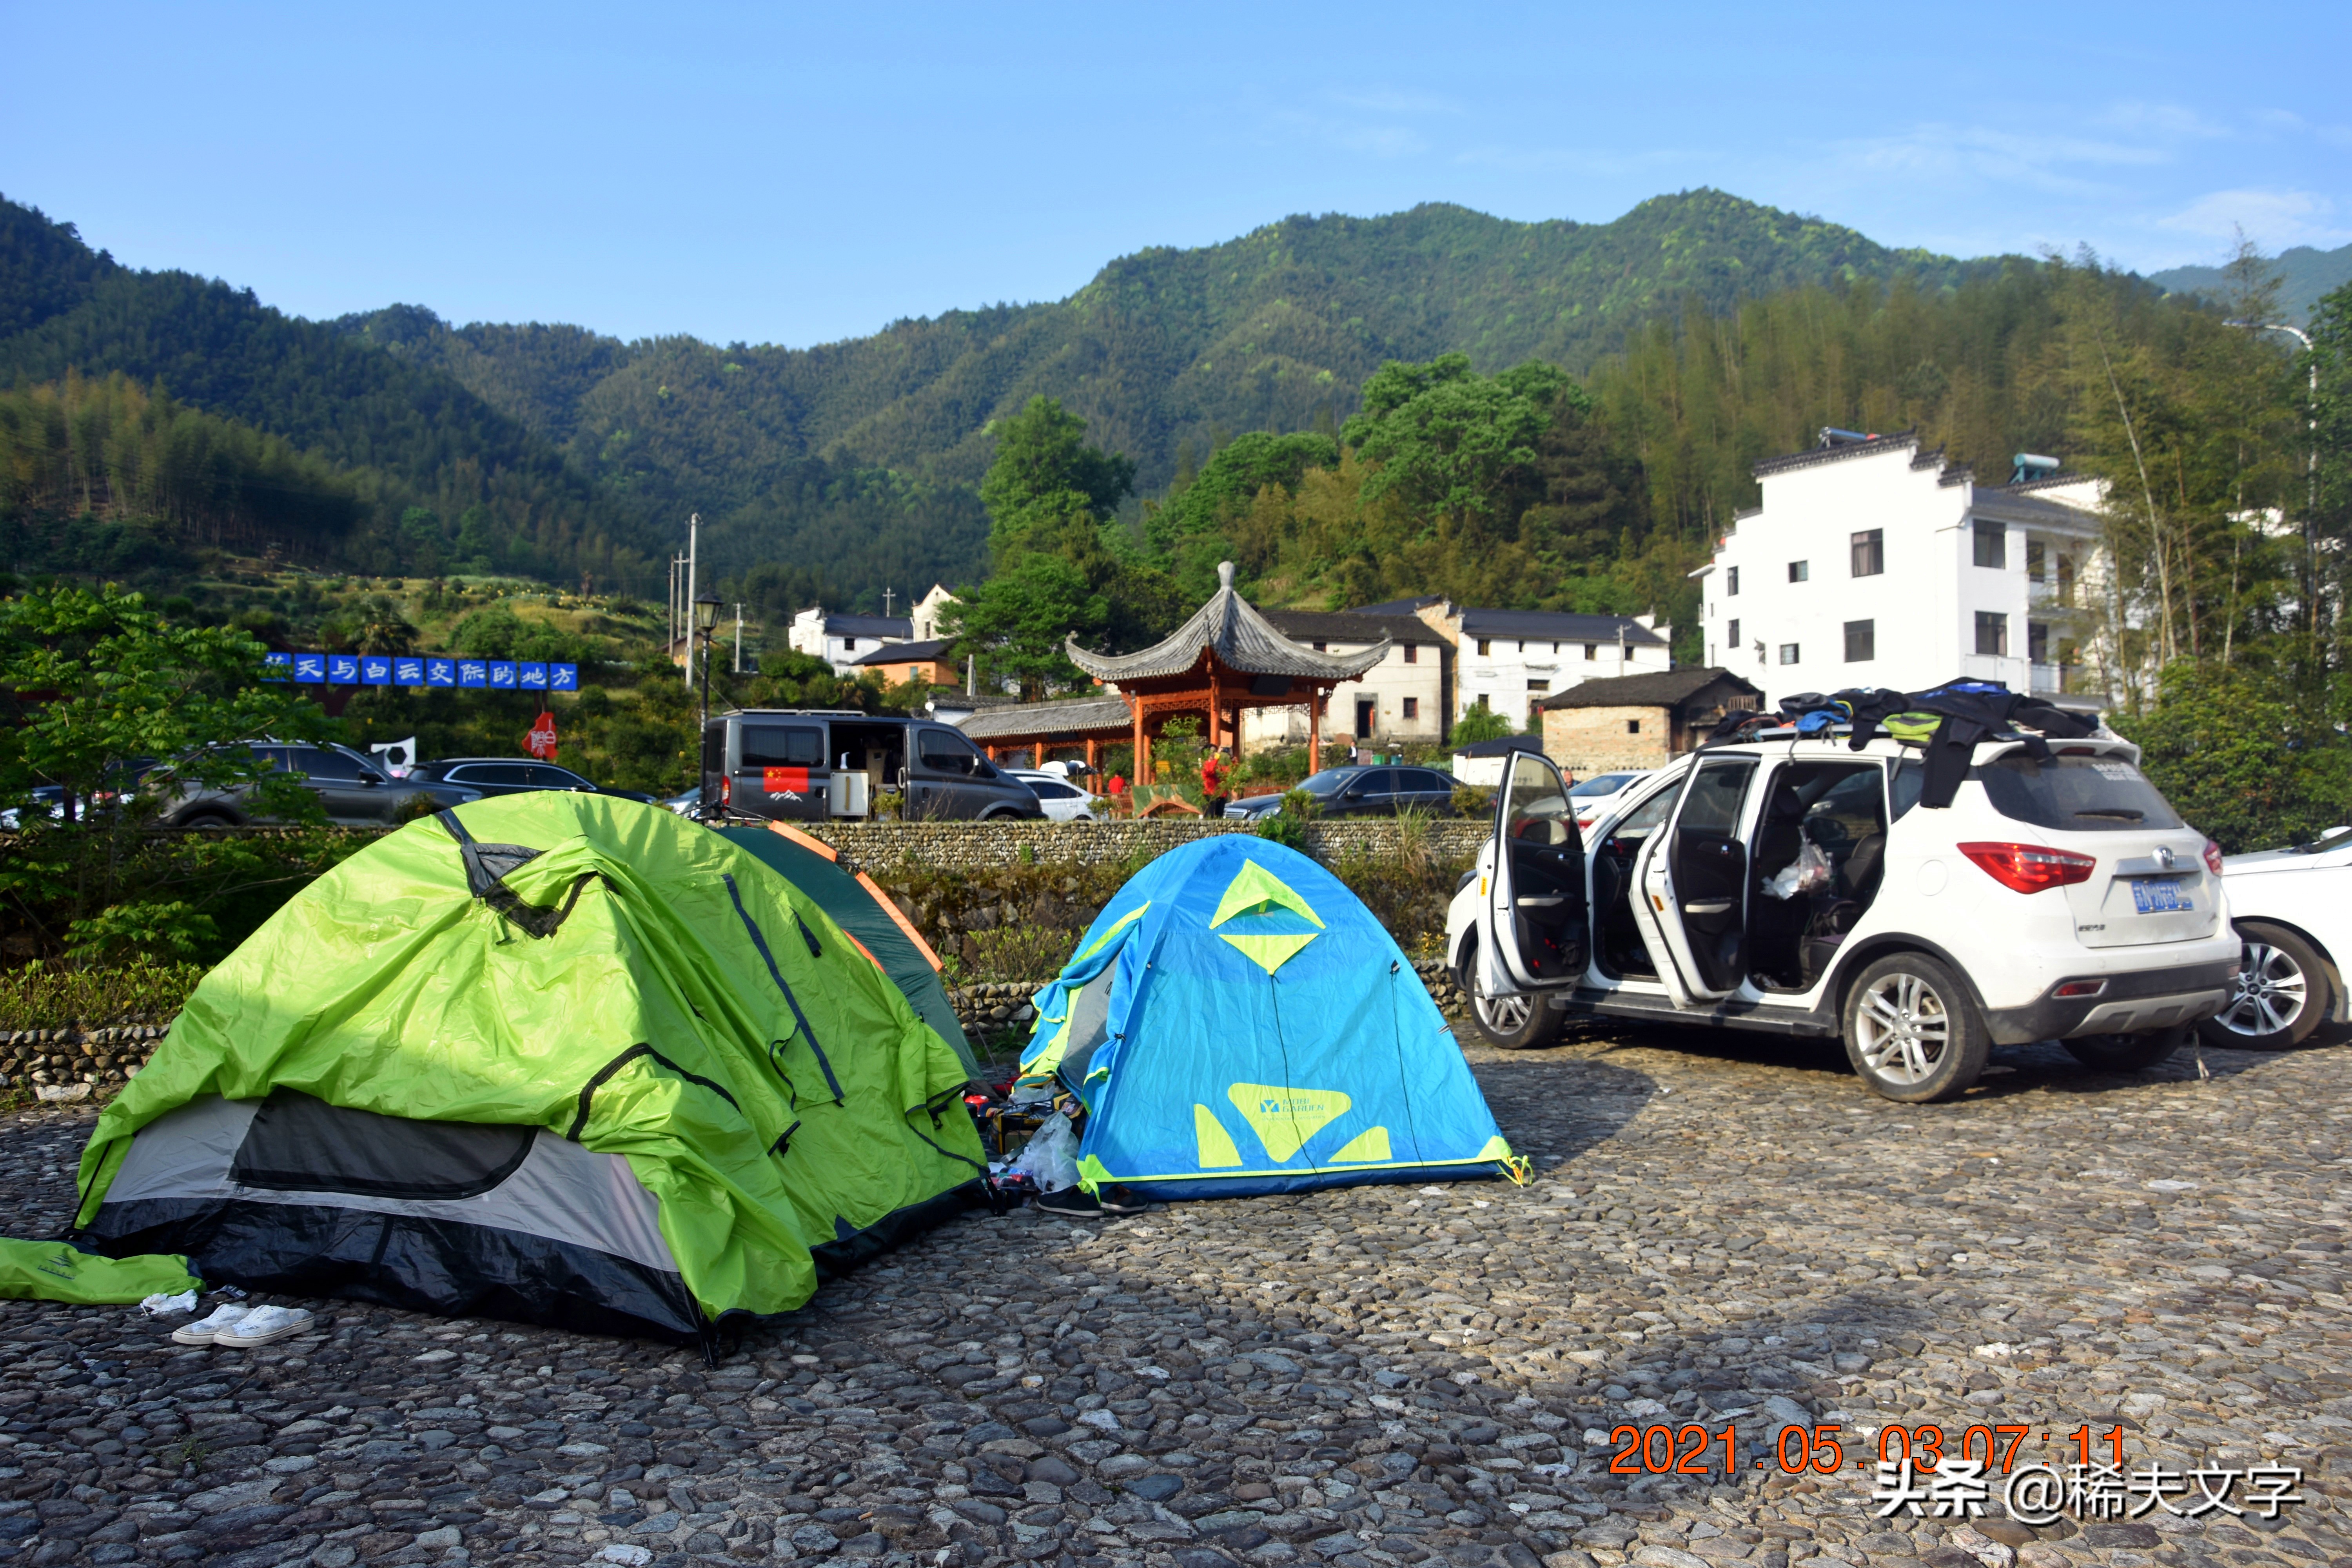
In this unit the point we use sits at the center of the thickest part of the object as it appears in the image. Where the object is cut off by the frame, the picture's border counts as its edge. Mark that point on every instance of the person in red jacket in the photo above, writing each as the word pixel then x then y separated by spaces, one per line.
pixel 1214 771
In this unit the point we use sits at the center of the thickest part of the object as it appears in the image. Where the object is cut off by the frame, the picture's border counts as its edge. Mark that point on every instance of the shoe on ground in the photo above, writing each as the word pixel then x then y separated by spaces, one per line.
pixel 264 1324
pixel 206 1331
pixel 1073 1203
pixel 1116 1199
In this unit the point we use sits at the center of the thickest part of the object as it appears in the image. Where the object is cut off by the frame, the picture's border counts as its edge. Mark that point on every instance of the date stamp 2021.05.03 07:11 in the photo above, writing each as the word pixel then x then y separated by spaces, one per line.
pixel 2036 1477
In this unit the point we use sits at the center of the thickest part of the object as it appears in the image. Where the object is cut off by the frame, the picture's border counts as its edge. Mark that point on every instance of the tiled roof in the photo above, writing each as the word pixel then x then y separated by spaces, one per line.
pixel 1077 714
pixel 1350 626
pixel 1660 689
pixel 1398 607
pixel 1242 639
pixel 898 627
pixel 1902 440
pixel 1553 625
pixel 903 652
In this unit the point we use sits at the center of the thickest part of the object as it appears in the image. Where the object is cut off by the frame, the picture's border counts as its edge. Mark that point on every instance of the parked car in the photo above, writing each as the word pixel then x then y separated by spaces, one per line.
pixel 2057 898
pixel 511 775
pixel 1062 800
pixel 686 803
pixel 815 764
pixel 122 778
pixel 2293 912
pixel 1362 791
pixel 1592 796
pixel 348 785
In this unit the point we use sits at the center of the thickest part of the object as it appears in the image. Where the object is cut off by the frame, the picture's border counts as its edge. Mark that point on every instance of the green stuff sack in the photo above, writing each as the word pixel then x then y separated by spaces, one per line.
pixel 55 1272
pixel 1913 729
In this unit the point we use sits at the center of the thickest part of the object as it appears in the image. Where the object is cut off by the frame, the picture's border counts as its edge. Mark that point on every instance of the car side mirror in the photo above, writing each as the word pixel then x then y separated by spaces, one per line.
pixel 370 779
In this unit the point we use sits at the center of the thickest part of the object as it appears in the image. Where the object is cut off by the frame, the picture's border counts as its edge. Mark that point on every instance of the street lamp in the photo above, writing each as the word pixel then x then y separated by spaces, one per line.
pixel 706 618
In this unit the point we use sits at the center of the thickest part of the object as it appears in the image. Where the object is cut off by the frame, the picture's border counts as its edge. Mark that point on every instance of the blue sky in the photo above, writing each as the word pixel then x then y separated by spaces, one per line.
pixel 798 174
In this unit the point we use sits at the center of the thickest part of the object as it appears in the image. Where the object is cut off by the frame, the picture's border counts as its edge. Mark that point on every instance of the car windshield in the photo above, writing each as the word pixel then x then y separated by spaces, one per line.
pixel 1330 781
pixel 1602 783
pixel 2075 793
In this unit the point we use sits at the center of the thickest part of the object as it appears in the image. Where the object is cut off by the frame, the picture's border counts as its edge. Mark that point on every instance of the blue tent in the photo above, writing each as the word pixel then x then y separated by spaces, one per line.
pixel 1236 1022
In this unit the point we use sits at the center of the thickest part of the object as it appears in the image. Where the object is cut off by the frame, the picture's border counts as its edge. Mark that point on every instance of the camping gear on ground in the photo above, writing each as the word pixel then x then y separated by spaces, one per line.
pixel 59 1271
pixel 1236 1022
pixel 263 1325
pixel 563 1059
pixel 204 1330
pixel 1050 1158
pixel 869 914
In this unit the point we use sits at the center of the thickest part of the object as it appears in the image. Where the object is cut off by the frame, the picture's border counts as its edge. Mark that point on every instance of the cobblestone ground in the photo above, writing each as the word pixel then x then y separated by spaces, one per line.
pixel 1727 1231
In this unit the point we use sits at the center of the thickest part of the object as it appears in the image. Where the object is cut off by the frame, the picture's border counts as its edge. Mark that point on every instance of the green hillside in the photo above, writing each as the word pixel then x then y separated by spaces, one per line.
pixel 2303 275
pixel 570 453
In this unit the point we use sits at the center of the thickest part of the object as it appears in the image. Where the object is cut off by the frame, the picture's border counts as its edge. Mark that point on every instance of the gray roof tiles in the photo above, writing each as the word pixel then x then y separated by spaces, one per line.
pixel 1242 638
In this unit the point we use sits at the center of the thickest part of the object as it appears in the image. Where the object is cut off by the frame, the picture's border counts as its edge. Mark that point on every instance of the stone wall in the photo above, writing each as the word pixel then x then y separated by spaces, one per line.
pixel 1588 740
pixel 70 1062
pixel 972 846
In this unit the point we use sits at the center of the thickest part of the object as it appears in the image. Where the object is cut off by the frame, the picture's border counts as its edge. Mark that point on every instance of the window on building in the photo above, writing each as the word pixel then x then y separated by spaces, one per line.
pixel 2036 560
pixel 1555 648
pixel 1788 653
pixel 1869 552
pixel 1523 645
pixel 1485 646
pixel 1861 641
pixel 1730 581
pixel 1591 650
pixel 1412 704
pixel 1992 545
pixel 1322 647
pixel 1412 653
pixel 849 645
pixel 1731 634
pixel 1801 570
pixel 2037 642
pixel 1535 684
pixel 1633 726
pixel 1992 633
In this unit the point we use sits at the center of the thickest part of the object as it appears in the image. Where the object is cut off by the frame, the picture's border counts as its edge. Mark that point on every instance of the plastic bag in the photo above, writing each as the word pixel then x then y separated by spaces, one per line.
pixel 1809 870
pixel 1051 1156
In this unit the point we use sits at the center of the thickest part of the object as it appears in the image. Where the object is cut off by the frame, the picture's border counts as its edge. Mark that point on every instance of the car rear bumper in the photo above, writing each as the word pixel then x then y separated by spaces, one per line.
pixel 2125 1004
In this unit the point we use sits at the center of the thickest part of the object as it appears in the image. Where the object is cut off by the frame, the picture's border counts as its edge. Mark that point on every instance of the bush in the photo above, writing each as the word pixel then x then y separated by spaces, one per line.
pixel 42 996
pixel 2241 759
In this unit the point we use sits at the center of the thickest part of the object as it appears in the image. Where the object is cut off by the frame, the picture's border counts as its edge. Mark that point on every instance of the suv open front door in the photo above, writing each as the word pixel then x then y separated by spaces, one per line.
pixel 1693 883
pixel 1536 897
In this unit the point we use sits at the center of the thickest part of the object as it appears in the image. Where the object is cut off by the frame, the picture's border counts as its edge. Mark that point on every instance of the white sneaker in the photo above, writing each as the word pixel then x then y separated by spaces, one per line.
pixel 264 1324
pixel 205 1331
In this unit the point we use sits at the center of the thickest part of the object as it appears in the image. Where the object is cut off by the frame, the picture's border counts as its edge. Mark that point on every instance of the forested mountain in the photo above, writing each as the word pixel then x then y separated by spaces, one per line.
pixel 555 451
pixel 2303 275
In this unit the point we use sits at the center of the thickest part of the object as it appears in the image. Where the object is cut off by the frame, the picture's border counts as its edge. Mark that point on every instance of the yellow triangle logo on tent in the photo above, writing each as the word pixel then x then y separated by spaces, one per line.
pixel 1217 1149
pixel 1285 1118
pixel 1369 1147
pixel 1270 952
pixel 1255 890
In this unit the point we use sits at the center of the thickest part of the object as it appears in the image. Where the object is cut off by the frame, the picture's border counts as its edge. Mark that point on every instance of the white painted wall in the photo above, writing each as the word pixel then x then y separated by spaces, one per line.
pixel 1511 674
pixel 1388 684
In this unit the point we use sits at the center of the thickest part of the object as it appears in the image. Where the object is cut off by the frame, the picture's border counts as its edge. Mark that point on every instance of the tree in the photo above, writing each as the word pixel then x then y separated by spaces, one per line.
pixel 2241 760
pixel 94 687
pixel 1045 475
pixel 1479 722
pixel 1453 443
pixel 1017 621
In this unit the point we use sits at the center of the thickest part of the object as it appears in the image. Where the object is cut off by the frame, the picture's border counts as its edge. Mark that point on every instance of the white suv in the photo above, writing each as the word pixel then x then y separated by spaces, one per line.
pixel 1797 887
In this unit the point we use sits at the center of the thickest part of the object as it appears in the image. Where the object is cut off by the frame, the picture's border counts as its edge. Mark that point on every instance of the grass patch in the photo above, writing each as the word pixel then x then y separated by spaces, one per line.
pixel 48 997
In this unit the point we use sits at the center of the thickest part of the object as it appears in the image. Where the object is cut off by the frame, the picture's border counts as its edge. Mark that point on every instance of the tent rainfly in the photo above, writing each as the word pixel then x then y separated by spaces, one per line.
pixel 559 1058
pixel 1236 1022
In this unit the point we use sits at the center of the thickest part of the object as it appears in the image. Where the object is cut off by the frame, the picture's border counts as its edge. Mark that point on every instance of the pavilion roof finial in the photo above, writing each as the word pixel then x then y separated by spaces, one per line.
pixel 1225 575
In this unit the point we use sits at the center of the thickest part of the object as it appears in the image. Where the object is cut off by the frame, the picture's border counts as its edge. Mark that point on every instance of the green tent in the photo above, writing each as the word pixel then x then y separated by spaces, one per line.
pixel 557 1057
pixel 866 912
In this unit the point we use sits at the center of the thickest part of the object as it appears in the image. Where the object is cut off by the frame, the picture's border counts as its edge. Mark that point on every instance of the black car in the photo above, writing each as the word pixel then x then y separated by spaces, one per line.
pixel 1369 791
pixel 350 786
pixel 510 775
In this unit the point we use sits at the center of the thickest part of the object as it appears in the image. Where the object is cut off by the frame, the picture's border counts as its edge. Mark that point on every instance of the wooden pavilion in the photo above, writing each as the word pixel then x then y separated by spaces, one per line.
pixel 1225 660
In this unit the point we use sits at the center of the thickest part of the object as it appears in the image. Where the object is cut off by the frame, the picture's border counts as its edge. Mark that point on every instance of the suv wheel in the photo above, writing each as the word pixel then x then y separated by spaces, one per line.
pixel 208 821
pixel 2128 1052
pixel 2279 997
pixel 1912 1031
pixel 1519 1022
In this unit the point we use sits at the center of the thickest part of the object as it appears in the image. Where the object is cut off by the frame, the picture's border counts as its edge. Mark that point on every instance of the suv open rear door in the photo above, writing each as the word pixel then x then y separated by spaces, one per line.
pixel 1536 898
pixel 1693 883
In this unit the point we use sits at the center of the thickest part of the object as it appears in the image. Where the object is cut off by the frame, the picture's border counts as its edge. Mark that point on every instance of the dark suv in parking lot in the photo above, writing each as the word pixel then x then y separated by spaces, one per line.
pixel 1380 790
pixel 508 775
pixel 351 788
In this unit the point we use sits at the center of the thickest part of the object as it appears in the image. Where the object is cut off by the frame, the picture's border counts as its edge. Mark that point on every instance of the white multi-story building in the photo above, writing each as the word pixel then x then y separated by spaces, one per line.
pixel 842 640
pixel 1510 661
pixel 1401 699
pixel 1872 562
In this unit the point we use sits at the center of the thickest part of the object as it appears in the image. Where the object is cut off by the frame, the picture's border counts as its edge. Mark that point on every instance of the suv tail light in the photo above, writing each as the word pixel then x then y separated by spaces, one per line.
pixel 2030 867
pixel 726 790
pixel 2212 857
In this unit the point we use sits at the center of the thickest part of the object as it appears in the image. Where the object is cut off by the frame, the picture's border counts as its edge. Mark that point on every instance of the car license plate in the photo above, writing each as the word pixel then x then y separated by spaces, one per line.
pixel 2158 895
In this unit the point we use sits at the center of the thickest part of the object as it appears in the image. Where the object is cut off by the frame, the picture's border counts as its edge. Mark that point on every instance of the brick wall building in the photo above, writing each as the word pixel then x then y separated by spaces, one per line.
pixel 1638 720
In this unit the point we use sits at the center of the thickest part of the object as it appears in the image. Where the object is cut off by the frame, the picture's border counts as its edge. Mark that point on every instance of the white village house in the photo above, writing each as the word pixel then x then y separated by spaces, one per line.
pixel 843 641
pixel 1510 661
pixel 1872 562
pixel 1403 697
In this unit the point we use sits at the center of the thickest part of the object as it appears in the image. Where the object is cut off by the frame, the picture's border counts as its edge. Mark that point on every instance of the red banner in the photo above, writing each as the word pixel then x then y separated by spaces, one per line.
pixel 784 780
pixel 540 742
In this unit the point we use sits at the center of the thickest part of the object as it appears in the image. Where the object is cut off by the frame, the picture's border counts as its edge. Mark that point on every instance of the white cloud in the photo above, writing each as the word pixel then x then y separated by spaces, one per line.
pixel 2038 161
pixel 2272 218
pixel 1396 100
pixel 2174 120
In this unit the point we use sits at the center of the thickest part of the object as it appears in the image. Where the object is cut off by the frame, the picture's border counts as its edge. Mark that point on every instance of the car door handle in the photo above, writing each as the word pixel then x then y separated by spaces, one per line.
pixel 1707 907
pixel 1544 903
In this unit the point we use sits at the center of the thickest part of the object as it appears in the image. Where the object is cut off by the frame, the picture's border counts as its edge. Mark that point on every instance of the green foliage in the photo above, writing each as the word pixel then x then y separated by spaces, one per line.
pixel 1045 472
pixel 2241 761
pixel 39 995
pixel 497 632
pixel 1455 444
pixel 1480 723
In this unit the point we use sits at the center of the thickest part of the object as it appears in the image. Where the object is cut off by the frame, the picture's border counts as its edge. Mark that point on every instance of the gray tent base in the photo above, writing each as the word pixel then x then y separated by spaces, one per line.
pixel 293 1195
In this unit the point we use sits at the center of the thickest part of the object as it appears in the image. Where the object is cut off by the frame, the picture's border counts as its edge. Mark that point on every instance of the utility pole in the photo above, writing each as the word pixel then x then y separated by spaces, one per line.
pixel 693 547
pixel 738 637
